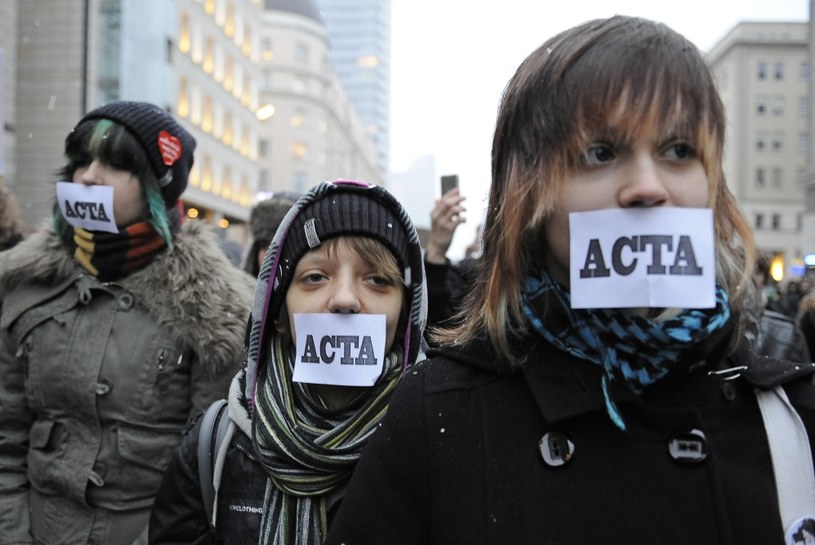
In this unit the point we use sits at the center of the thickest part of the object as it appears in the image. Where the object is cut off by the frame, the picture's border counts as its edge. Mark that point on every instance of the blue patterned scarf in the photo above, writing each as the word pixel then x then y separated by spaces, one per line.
pixel 631 349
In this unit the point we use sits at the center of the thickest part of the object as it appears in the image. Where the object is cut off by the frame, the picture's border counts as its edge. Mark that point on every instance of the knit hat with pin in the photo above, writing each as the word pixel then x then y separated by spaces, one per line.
pixel 167 145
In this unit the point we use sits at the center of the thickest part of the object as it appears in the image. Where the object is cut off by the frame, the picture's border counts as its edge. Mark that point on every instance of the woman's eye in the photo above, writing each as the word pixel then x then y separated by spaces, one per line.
pixel 680 151
pixel 312 278
pixel 379 280
pixel 598 155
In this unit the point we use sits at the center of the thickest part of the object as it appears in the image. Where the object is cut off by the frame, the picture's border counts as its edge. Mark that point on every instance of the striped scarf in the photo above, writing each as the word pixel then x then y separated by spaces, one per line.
pixel 109 256
pixel 308 450
pixel 631 349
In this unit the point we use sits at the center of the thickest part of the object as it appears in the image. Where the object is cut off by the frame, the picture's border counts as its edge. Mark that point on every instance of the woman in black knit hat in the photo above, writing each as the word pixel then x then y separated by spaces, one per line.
pixel 345 256
pixel 118 324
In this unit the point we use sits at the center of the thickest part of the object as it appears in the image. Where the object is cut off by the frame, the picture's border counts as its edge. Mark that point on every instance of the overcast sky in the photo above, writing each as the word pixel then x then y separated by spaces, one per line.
pixel 450 60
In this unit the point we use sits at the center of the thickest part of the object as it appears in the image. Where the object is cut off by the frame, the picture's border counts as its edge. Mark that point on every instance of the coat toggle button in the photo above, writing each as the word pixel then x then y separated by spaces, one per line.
pixel 688 447
pixel 556 449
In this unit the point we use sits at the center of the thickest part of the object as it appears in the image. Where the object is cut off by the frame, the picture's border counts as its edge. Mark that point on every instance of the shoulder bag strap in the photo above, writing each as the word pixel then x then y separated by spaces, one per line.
pixel 792 461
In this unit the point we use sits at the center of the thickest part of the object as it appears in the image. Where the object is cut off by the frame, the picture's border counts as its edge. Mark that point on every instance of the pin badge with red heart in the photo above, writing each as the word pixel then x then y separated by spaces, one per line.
pixel 170 148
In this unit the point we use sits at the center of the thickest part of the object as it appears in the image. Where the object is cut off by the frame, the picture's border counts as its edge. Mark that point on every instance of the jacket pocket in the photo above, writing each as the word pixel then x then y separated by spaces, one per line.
pixel 40 434
pixel 150 448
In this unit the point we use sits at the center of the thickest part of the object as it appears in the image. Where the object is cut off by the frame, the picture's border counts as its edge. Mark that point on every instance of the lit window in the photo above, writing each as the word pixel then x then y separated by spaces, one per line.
pixel 184 41
pixel 206 178
pixel 183 107
pixel 229 25
pixel 299 150
pixel 206 122
pixel 228 74
pixel 368 61
pixel 209 55
pixel 228 129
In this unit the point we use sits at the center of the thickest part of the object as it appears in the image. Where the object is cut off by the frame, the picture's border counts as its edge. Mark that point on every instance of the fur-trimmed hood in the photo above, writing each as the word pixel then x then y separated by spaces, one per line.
pixel 192 289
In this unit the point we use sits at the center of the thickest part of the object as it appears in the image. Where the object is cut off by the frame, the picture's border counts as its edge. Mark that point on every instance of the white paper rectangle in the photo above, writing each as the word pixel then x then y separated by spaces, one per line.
pixel 643 257
pixel 339 349
pixel 88 207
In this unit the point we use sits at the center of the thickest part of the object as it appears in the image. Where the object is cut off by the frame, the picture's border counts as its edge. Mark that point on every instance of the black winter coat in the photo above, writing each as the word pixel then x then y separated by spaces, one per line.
pixel 178 515
pixel 458 458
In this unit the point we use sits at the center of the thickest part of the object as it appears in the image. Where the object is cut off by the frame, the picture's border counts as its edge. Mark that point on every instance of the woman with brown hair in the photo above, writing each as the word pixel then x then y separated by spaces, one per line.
pixel 546 420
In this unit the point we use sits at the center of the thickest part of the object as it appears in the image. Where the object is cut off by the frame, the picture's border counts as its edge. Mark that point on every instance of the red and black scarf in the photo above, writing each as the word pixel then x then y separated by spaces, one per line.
pixel 109 256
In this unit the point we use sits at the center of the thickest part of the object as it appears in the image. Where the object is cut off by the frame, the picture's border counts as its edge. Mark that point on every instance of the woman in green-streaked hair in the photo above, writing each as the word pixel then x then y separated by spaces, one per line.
pixel 118 324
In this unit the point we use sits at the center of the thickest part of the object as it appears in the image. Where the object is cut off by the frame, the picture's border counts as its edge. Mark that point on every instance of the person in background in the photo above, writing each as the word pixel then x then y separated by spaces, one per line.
pixel 447 283
pixel 264 219
pixel 777 335
pixel 110 337
pixel 536 422
pixel 344 250
pixel 10 225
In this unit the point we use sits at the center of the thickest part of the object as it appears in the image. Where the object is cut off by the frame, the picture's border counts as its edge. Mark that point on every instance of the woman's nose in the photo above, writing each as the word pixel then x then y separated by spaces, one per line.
pixel 643 185
pixel 344 298
pixel 92 174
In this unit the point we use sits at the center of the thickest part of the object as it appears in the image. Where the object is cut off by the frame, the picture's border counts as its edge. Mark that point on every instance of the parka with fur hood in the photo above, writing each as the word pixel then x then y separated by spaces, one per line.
pixel 314 449
pixel 99 378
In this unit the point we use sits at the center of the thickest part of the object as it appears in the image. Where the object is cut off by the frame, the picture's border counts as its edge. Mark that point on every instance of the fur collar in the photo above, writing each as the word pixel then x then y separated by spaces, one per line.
pixel 192 289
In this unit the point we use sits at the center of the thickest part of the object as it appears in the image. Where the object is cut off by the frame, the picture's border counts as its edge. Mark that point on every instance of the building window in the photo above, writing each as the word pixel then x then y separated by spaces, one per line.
pixel 761 181
pixel 298 85
pixel 803 107
pixel 299 181
pixel 779 70
pixel 263 179
pixel 803 142
pixel 266 51
pixel 778 177
pixel 778 105
pixel 263 148
pixel 759 223
pixel 762 70
pixel 301 52
pixel 761 105
pixel 761 141
pixel 299 150
pixel 804 71
pixel 778 141
pixel 776 222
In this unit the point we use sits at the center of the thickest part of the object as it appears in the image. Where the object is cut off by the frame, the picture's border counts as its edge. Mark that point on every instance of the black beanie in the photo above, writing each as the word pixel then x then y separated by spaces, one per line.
pixel 266 215
pixel 167 145
pixel 345 208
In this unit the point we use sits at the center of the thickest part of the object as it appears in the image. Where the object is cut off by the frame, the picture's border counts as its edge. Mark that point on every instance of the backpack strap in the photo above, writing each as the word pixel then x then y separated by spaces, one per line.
pixel 210 434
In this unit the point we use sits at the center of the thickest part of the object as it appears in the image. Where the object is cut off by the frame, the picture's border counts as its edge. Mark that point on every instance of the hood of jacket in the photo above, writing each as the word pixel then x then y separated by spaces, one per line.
pixel 191 289
pixel 269 294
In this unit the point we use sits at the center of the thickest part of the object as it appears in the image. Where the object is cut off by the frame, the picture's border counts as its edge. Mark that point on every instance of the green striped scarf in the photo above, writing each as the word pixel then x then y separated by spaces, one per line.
pixel 308 450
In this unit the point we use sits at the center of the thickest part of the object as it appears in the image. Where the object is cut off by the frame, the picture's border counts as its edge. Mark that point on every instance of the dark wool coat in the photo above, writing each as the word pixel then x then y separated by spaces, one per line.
pixel 458 459
pixel 98 379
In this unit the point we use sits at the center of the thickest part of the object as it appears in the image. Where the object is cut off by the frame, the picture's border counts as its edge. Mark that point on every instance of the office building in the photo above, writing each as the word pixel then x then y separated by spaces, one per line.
pixel 762 70
pixel 359 33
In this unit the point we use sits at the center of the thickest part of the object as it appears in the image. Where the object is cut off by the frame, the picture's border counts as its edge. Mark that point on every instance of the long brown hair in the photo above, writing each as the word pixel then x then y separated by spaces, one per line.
pixel 634 71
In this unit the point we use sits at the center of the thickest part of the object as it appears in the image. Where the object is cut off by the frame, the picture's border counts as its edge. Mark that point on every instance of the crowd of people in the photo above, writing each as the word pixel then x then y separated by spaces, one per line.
pixel 339 383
